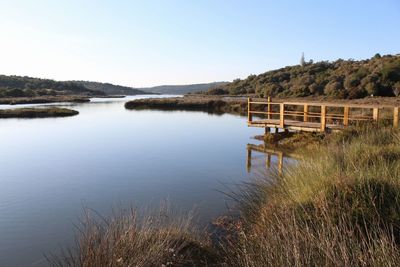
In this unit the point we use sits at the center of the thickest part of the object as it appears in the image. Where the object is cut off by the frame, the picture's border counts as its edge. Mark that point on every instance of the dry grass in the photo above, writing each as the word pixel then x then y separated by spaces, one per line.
pixel 131 239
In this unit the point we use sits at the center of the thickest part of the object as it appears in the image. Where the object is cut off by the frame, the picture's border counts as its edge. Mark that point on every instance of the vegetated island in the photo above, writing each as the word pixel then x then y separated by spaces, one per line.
pixel 37 112
pixel 43 99
pixel 209 104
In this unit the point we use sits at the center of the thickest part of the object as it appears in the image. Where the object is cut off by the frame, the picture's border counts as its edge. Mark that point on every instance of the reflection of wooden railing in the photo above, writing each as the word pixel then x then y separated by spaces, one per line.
pixel 268 154
pixel 312 116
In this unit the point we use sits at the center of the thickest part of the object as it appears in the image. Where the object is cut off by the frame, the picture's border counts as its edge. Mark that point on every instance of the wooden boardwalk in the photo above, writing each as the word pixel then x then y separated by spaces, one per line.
pixel 315 116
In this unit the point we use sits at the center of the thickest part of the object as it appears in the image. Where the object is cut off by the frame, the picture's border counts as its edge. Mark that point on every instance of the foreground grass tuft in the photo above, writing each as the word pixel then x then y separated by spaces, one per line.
pixel 132 239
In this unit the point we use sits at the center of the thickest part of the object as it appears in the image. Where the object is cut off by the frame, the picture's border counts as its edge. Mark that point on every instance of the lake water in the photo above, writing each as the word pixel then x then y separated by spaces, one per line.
pixel 108 156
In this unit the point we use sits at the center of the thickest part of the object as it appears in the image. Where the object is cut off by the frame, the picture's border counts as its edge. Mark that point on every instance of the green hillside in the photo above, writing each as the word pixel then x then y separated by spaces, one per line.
pixel 378 76
pixel 23 86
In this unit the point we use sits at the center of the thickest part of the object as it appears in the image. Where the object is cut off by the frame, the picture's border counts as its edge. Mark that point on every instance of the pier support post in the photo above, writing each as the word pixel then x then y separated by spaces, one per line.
pixel 249 115
pixel 282 115
pixel 280 163
pixel 346 116
pixel 267 130
pixel 396 117
pixel 375 114
pixel 305 113
pixel 248 161
pixel 269 108
pixel 323 118
pixel 268 161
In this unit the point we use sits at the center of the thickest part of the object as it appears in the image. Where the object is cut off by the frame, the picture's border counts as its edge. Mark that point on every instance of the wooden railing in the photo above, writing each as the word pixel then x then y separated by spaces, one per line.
pixel 327 115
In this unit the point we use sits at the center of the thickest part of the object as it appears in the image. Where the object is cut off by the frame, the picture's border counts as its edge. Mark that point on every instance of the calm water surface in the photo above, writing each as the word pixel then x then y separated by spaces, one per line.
pixel 105 157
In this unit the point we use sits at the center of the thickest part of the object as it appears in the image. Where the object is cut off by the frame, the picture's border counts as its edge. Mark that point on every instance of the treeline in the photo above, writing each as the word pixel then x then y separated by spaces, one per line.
pixel 18 86
pixel 378 76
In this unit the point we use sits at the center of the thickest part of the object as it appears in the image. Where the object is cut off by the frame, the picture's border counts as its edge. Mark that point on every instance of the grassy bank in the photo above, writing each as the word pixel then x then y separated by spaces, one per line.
pixel 43 100
pixel 37 112
pixel 339 206
pixel 216 105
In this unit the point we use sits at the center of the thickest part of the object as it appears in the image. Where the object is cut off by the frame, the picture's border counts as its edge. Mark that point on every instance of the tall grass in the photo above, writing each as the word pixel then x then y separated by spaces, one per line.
pixel 338 207
pixel 156 238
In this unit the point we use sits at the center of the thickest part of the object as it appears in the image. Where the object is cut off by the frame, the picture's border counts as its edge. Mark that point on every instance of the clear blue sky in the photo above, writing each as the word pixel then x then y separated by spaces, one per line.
pixel 144 43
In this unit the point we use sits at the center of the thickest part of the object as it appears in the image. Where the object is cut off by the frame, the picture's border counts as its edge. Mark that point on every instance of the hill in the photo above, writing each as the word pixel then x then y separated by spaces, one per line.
pixel 111 89
pixel 349 79
pixel 23 86
pixel 182 89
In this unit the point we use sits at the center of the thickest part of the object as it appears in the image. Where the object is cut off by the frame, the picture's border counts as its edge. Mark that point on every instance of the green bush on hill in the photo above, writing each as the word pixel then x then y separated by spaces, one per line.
pixel 378 76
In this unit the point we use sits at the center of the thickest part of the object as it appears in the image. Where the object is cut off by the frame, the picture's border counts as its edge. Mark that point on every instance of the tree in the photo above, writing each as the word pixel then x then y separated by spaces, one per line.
pixel 302 60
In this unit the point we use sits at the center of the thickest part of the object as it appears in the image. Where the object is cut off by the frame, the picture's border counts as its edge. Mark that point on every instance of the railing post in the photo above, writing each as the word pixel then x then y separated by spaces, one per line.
pixel 282 115
pixel 396 117
pixel 375 114
pixel 323 118
pixel 249 115
pixel 305 116
pixel 346 116
pixel 269 108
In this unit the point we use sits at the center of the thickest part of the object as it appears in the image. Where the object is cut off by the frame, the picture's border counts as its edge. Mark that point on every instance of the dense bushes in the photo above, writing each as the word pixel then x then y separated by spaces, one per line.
pixel 379 76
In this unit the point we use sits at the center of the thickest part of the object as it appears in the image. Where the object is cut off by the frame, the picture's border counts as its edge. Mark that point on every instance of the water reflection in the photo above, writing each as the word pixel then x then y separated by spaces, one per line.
pixel 262 157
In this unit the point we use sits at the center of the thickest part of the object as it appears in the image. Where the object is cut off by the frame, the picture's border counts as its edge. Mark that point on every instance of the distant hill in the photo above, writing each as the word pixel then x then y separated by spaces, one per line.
pixel 182 89
pixel 23 86
pixel 378 76
pixel 110 89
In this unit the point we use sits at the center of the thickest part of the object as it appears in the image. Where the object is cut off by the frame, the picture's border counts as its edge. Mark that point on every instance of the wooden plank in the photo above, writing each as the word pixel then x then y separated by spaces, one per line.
pixel 282 115
pixel 396 117
pixel 269 108
pixel 346 116
pixel 323 118
pixel 305 116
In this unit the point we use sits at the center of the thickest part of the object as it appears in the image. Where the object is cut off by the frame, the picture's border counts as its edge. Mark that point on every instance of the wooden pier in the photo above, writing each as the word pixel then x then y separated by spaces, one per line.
pixel 315 116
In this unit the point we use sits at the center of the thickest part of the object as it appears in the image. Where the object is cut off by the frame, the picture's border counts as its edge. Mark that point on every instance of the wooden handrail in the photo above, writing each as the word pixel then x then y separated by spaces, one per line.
pixel 325 116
